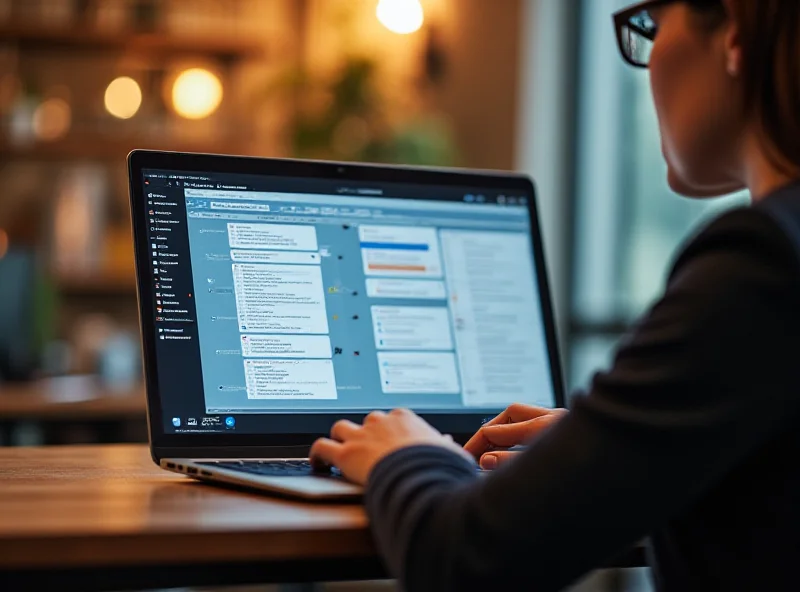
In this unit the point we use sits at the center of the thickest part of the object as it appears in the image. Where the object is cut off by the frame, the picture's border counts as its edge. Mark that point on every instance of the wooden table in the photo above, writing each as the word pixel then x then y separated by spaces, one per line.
pixel 106 518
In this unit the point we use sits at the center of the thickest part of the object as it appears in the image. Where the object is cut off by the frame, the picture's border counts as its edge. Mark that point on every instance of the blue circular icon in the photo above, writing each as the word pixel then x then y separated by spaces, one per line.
pixel 230 422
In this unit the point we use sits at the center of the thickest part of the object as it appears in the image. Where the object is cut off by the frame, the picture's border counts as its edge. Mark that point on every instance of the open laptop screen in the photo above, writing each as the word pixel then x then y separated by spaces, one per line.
pixel 289 296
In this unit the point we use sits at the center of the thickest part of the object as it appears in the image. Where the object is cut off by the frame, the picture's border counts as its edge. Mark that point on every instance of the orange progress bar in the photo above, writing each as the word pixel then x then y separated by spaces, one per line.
pixel 378 267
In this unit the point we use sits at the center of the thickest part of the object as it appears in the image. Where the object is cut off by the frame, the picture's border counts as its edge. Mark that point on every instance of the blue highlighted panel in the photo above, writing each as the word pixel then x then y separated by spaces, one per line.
pixel 396 246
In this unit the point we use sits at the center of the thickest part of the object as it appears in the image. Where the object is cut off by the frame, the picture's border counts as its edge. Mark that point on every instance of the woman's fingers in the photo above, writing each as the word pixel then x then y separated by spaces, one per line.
pixel 478 444
pixel 511 434
pixel 373 417
pixel 492 460
pixel 506 435
pixel 515 413
pixel 490 437
pixel 518 412
pixel 343 429
pixel 325 453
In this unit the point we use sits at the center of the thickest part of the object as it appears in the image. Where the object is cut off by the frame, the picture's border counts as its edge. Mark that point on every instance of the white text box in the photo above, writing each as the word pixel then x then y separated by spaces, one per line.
pixel 290 257
pixel 411 328
pixel 414 289
pixel 286 346
pixel 400 251
pixel 280 298
pixel 281 237
pixel 290 379
pixel 427 374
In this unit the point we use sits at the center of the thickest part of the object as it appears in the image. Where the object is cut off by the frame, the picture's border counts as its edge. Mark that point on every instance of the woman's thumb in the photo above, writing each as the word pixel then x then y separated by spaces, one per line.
pixel 492 460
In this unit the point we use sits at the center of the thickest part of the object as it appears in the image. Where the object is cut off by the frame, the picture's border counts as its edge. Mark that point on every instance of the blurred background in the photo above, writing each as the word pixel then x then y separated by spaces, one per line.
pixel 529 85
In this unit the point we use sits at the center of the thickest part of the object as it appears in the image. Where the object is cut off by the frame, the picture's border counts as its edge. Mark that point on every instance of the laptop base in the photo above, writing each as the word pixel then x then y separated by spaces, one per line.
pixel 306 487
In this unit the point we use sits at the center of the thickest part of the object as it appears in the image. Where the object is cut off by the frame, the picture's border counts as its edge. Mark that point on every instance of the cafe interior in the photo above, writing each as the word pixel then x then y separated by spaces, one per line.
pixel 534 86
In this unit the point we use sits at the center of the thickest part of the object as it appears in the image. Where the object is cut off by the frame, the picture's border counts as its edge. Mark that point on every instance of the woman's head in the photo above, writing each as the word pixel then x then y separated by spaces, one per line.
pixel 725 76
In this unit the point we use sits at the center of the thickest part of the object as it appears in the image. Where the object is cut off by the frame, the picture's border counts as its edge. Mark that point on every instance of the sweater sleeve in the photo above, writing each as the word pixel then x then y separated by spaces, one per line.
pixel 704 380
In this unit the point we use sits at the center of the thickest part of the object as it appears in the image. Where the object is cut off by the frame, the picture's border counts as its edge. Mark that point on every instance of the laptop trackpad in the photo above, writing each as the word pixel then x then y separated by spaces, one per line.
pixel 311 485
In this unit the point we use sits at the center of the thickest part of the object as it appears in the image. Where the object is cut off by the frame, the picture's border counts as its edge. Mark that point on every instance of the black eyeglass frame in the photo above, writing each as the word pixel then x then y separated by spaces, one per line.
pixel 622 20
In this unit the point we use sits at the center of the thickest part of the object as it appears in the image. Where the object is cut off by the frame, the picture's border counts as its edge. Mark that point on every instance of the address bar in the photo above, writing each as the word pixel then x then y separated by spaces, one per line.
pixel 242 195
pixel 241 207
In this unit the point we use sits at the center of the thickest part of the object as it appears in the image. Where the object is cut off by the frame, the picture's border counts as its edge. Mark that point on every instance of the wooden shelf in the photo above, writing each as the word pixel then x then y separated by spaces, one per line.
pixel 106 148
pixel 97 284
pixel 79 38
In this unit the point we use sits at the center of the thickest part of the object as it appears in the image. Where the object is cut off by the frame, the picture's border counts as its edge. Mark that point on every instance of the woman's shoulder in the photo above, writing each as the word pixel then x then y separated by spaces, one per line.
pixel 763 237
pixel 768 231
pixel 783 209
pixel 739 277
pixel 777 216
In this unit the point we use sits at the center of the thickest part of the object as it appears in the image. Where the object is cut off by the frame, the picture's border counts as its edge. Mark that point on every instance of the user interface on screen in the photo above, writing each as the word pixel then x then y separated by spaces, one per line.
pixel 276 295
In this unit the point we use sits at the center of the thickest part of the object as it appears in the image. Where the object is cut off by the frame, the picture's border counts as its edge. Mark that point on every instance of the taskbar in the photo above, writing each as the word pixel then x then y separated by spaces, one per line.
pixel 361 410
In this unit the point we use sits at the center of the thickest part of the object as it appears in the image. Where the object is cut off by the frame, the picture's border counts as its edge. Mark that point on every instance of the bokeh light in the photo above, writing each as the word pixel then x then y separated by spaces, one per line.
pixel 400 16
pixel 196 93
pixel 52 119
pixel 123 97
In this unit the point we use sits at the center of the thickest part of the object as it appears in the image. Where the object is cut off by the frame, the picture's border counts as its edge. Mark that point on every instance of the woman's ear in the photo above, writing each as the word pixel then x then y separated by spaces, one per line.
pixel 733 57
pixel 732 43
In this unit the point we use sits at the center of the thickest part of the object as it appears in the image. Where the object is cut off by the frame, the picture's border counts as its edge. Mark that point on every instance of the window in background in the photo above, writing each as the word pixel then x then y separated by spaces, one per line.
pixel 628 224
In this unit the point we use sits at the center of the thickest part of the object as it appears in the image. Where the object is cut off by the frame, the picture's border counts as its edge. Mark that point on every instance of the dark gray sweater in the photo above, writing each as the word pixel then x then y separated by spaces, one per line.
pixel 691 438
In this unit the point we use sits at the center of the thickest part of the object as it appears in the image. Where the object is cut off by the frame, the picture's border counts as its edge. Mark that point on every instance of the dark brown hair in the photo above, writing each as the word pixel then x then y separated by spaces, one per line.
pixel 770 39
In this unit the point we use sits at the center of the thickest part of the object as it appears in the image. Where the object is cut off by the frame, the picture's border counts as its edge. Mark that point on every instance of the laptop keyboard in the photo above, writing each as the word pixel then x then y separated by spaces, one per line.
pixel 271 468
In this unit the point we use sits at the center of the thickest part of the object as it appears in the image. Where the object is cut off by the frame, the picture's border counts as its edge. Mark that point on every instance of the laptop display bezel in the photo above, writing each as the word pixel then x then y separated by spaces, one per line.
pixel 460 425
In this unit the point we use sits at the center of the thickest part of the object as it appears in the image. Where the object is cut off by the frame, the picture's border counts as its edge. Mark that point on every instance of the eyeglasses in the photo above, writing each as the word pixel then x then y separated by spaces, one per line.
pixel 636 30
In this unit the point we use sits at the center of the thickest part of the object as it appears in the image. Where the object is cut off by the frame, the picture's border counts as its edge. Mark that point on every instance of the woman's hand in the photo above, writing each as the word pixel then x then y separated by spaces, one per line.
pixel 516 425
pixel 356 449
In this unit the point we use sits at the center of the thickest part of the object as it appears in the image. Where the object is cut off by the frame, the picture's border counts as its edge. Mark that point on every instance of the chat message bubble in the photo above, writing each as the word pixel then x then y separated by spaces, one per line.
pixel 280 298
pixel 280 237
pixel 412 289
pixel 411 328
pixel 286 346
pixel 290 379
pixel 418 373
pixel 287 257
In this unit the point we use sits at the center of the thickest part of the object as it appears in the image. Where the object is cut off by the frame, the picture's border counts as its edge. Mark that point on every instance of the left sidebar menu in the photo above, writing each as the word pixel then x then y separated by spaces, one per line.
pixel 170 267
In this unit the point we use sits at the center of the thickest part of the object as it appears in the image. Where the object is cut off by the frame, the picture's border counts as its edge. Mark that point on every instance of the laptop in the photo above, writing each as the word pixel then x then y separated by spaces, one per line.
pixel 279 296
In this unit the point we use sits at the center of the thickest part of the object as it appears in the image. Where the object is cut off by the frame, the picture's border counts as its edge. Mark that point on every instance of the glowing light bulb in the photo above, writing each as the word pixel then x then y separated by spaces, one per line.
pixel 196 93
pixel 400 16
pixel 123 97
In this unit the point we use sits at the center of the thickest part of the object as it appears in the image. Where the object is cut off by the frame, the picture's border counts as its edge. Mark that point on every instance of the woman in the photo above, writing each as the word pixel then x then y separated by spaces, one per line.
pixel 691 438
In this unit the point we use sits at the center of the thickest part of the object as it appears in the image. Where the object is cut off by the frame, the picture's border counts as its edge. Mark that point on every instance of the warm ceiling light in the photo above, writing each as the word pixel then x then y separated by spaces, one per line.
pixel 400 16
pixel 52 119
pixel 3 243
pixel 196 93
pixel 123 97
